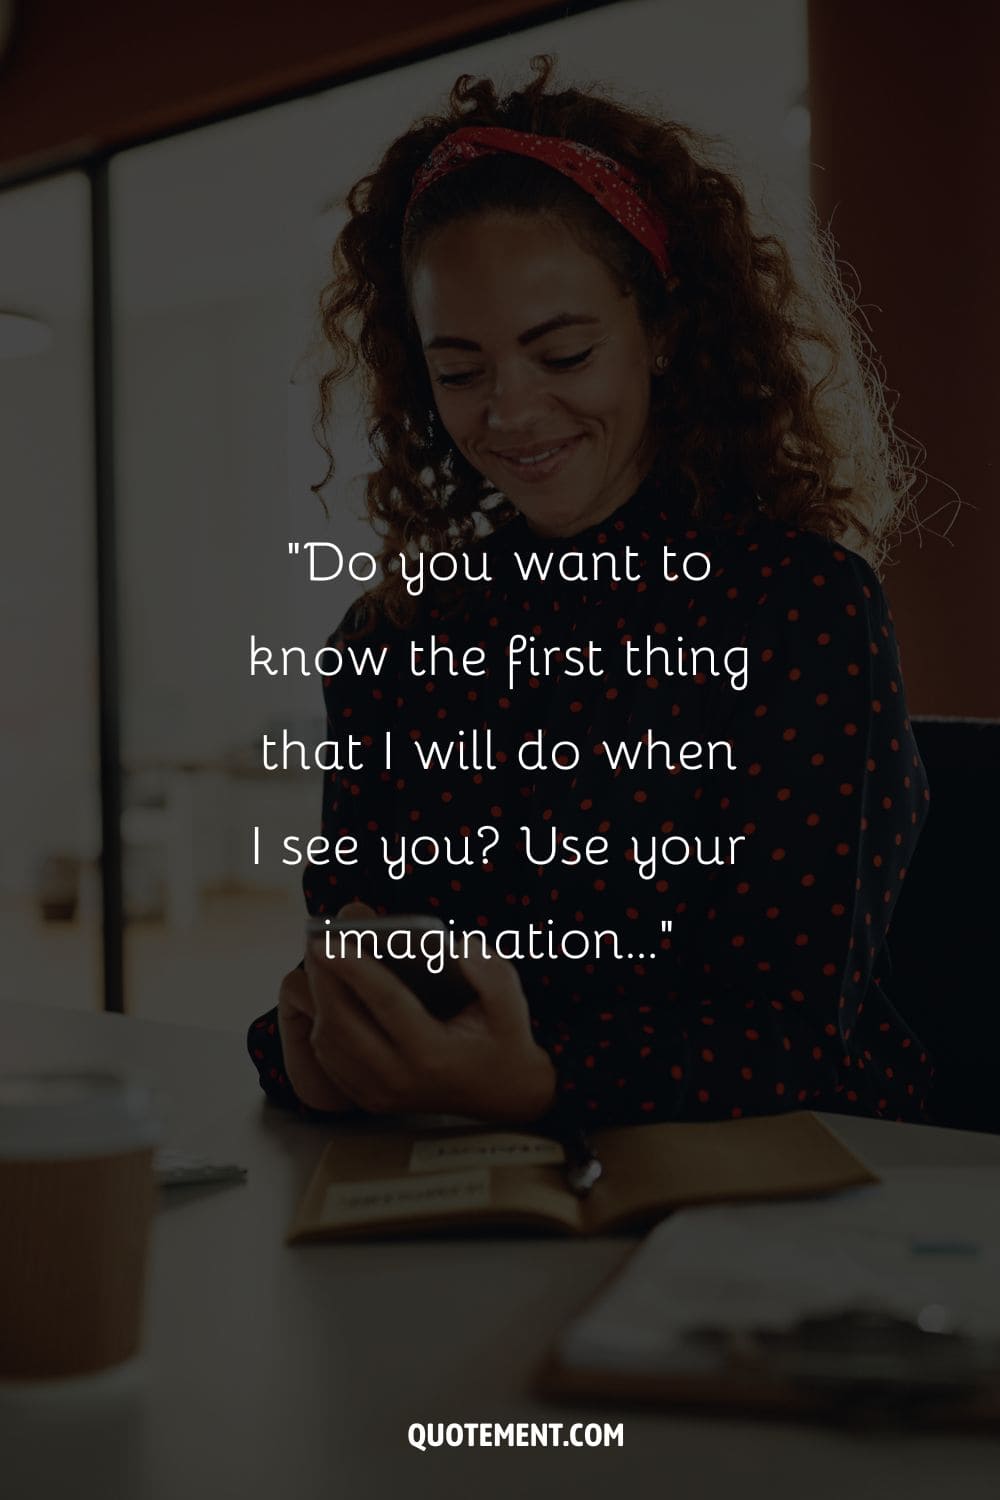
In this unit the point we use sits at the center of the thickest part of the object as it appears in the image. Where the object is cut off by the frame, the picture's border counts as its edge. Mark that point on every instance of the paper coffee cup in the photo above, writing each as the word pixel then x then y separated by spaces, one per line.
pixel 76 1202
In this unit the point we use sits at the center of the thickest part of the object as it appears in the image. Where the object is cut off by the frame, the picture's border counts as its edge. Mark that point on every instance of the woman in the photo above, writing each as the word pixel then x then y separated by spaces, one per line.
pixel 574 343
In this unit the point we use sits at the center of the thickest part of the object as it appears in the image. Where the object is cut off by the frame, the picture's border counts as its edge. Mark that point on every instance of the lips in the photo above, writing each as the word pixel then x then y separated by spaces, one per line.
pixel 537 461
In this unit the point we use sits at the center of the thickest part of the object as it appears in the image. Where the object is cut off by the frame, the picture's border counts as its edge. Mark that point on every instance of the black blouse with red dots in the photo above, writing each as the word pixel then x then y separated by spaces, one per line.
pixel 709 858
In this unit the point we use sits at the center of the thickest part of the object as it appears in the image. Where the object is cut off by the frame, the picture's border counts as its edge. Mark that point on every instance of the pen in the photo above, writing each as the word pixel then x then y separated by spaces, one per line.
pixel 583 1166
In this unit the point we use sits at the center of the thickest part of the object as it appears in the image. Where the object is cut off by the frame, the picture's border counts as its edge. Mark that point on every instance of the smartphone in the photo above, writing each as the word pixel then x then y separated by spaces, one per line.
pixel 442 994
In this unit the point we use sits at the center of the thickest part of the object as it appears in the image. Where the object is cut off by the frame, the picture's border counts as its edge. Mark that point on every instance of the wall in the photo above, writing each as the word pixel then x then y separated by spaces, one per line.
pixel 904 161
pixel 77 78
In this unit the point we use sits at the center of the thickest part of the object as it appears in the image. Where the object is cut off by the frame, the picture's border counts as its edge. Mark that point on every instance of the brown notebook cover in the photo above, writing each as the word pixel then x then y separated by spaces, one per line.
pixel 382 1182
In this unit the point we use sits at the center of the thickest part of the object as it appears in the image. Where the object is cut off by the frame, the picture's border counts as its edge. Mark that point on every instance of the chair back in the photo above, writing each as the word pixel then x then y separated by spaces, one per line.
pixel 944 940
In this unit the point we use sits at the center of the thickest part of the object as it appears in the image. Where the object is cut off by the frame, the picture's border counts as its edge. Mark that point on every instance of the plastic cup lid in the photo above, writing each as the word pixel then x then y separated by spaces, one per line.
pixel 46 1116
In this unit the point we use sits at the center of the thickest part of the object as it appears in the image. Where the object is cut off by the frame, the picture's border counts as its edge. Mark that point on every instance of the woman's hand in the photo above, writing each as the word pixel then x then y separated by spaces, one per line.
pixel 296 1019
pixel 296 1024
pixel 374 1042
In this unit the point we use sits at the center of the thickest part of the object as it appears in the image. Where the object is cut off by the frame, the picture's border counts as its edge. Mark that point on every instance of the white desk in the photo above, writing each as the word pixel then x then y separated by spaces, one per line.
pixel 295 1373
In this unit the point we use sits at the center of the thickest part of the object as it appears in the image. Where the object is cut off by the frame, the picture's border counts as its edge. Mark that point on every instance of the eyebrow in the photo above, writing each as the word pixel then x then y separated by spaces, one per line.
pixel 551 325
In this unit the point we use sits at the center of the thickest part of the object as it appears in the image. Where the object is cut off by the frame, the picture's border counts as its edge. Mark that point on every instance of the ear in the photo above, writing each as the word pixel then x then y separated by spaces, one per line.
pixel 661 347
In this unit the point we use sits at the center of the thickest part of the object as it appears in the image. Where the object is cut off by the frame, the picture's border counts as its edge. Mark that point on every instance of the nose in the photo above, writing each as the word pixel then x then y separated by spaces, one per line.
pixel 513 404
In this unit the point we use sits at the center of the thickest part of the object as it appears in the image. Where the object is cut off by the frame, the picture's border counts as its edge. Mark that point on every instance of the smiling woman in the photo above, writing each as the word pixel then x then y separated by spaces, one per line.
pixel 577 348
pixel 556 413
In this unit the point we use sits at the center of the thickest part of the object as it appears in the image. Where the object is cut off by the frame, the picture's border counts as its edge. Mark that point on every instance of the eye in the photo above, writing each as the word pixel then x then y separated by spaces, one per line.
pixel 462 377
pixel 570 361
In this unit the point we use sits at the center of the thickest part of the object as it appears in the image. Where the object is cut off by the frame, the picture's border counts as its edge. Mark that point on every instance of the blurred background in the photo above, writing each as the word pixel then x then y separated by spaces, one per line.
pixel 170 186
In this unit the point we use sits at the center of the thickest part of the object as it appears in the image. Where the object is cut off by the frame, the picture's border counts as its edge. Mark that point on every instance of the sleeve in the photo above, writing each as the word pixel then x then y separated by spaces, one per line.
pixel 358 706
pixel 264 1046
pixel 775 958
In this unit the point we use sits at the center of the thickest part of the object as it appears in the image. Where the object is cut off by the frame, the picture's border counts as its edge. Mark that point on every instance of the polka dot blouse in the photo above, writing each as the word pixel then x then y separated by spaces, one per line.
pixel 768 990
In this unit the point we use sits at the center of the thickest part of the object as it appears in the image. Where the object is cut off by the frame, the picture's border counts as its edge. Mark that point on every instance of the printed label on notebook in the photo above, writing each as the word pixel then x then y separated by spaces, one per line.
pixel 498 1149
pixel 403 1197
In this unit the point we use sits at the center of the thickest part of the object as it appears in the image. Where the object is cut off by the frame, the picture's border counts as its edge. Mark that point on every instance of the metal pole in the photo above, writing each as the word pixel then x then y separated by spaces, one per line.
pixel 102 345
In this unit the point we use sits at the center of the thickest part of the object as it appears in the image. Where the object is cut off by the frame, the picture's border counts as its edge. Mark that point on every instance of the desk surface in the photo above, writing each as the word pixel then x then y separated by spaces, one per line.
pixel 296 1372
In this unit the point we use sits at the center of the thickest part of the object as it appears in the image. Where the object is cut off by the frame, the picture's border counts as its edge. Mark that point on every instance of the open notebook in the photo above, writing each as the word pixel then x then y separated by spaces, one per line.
pixel 398 1181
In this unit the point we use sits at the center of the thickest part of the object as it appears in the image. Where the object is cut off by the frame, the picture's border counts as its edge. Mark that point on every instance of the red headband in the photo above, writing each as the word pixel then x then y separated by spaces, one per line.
pixel 613 186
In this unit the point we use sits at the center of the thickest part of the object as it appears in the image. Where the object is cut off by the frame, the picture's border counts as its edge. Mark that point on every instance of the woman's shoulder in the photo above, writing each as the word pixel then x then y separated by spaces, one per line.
pixel 368 622
pixel 768 561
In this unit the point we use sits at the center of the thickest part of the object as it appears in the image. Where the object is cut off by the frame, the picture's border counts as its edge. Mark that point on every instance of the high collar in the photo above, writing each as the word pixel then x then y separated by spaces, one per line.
pixel 649 505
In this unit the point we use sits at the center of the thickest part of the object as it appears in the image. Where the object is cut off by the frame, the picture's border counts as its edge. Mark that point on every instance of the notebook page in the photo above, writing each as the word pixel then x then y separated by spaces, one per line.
pixel 921 1238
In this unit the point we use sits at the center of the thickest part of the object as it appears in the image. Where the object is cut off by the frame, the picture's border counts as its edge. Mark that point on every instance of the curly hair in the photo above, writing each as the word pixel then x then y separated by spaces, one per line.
pixel 773 399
